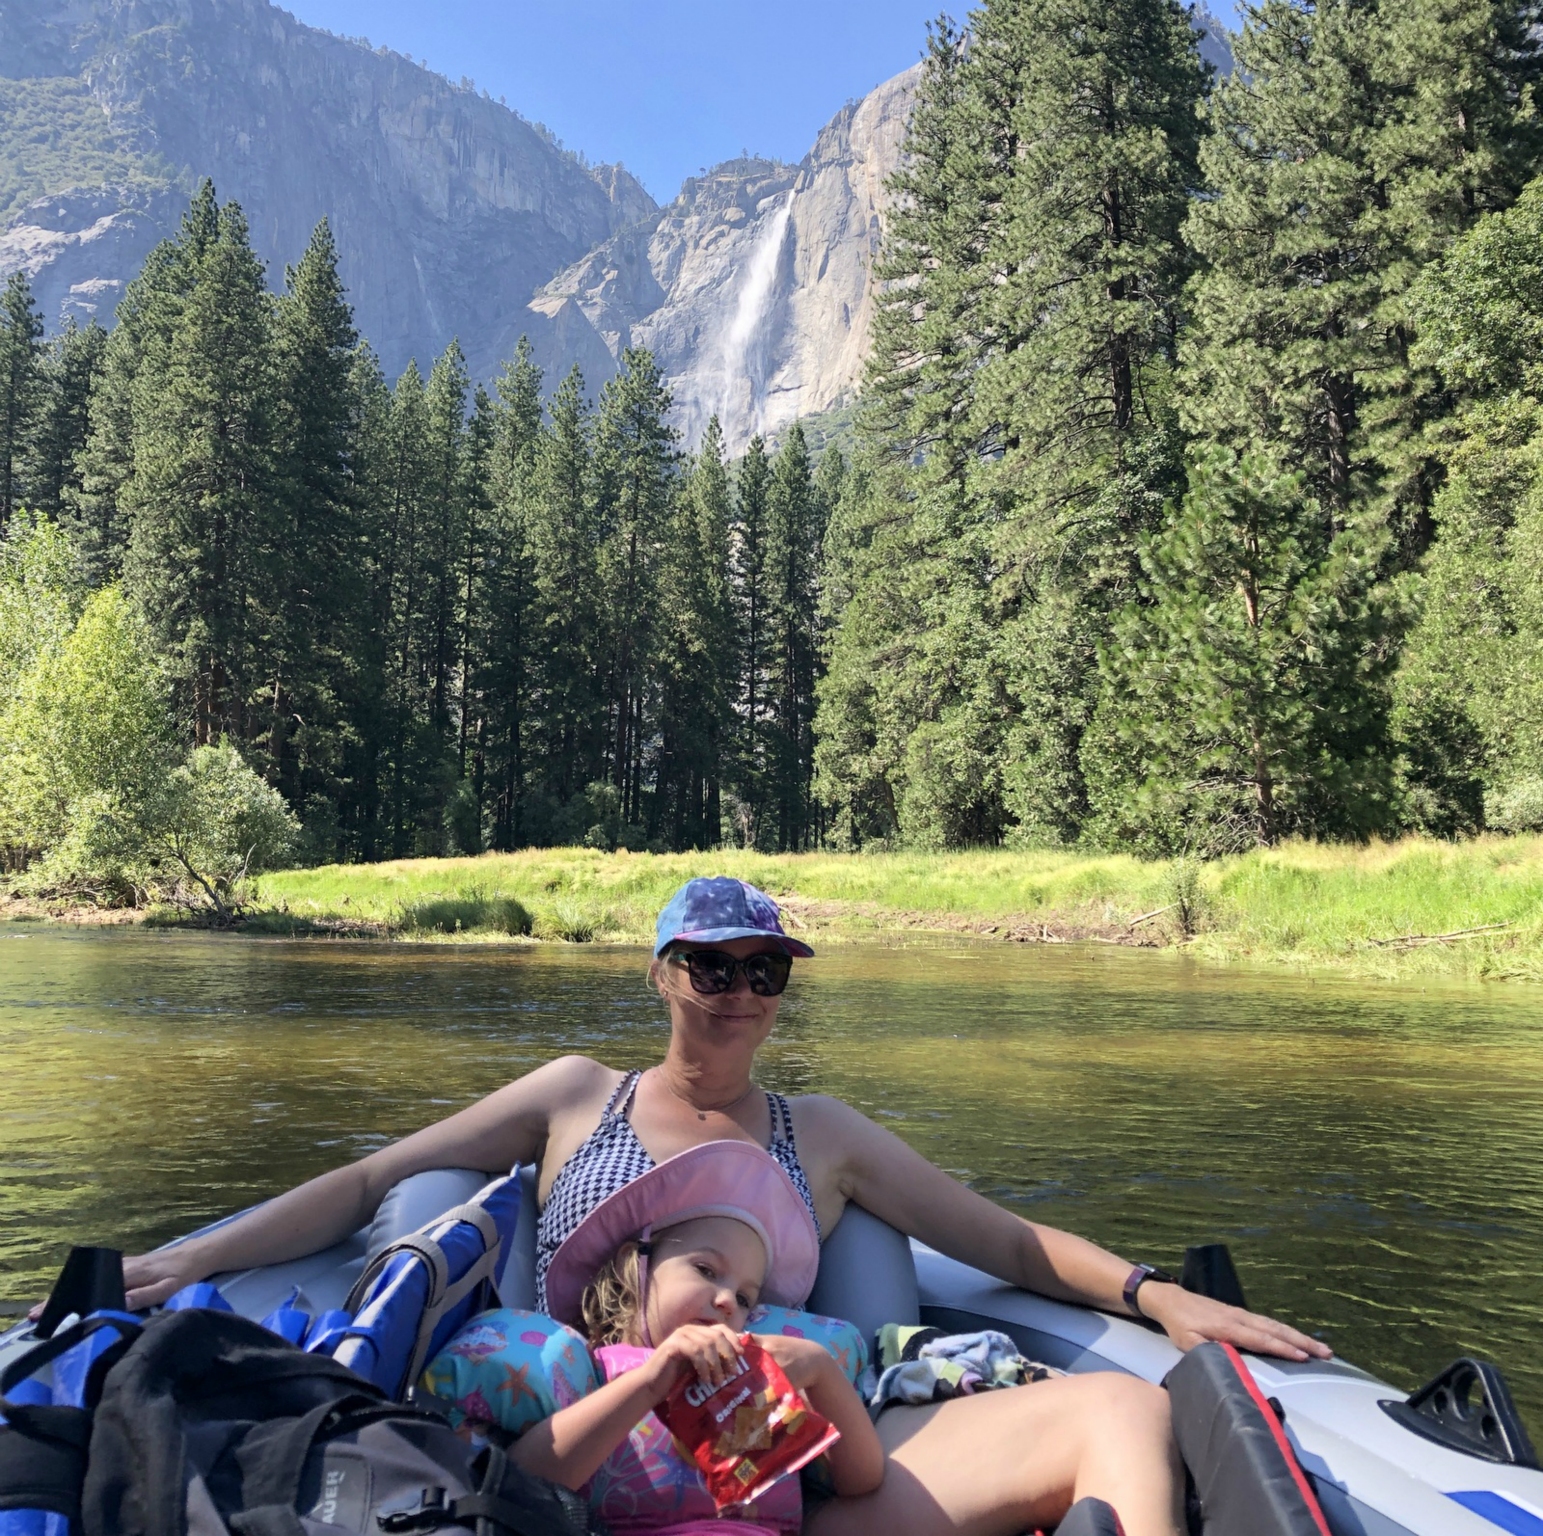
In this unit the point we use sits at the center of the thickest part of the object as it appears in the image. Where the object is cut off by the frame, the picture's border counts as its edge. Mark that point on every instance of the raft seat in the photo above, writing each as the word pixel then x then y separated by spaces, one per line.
pixel 867 1274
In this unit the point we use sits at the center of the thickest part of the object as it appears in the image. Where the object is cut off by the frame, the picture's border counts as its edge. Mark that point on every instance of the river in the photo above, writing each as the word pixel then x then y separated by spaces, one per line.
pixel 1373 1154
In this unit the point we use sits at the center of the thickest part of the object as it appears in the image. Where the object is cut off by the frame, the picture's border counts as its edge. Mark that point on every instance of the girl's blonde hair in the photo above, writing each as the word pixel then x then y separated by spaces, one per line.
pixel 613 1300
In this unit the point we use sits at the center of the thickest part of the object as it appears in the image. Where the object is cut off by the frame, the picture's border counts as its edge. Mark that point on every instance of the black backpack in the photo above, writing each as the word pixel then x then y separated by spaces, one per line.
pixel 206 1424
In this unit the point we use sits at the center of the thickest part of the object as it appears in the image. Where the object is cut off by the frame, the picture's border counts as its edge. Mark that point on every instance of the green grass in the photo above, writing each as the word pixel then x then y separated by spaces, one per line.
pixel 1301 904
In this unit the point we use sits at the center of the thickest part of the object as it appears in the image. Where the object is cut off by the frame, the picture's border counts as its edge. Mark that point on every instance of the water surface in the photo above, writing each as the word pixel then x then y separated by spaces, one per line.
pixel 1371 1153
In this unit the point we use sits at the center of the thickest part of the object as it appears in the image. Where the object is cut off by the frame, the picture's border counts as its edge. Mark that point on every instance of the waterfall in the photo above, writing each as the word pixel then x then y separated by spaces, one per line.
pixel 743 356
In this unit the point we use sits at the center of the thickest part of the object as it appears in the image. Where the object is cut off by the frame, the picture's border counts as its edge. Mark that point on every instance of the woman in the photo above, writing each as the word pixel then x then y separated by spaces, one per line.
pixel 992 1464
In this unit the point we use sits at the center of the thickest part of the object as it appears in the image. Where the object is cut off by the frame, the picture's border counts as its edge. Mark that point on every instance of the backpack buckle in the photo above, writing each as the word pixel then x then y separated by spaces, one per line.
pixel 431 1512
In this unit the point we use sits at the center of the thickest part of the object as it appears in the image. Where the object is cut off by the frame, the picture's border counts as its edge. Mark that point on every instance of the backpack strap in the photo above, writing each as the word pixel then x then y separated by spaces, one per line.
pixel 272 1461
pixel 43 1445
pixel 30 1363
pixel 43 1459
pixel 509 1501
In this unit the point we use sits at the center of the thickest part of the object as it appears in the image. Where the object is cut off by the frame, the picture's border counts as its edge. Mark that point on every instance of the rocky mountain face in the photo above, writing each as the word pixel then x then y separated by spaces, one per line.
pixel 752 288
pixel 454 217
pixel 449 209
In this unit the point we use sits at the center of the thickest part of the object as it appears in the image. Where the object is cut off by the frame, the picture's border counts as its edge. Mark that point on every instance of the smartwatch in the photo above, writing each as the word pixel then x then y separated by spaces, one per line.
pixel 1139 1277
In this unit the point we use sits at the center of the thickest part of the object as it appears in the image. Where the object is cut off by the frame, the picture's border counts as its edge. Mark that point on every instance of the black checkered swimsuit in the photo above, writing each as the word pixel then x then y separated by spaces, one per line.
pixel 612 1156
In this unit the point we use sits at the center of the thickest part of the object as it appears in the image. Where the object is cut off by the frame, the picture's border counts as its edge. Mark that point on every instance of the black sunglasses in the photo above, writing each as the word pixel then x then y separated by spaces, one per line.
pixel 713 971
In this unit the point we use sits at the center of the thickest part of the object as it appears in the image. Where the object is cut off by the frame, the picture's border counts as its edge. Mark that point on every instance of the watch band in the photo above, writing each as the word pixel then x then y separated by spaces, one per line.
pixel 1139 1277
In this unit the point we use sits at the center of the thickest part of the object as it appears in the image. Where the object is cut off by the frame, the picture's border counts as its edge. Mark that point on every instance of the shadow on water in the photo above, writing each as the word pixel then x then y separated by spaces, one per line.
pixel 1371 1153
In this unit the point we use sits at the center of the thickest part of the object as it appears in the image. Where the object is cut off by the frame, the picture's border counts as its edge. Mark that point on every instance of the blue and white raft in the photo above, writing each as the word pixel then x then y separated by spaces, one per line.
pixel 1452 1460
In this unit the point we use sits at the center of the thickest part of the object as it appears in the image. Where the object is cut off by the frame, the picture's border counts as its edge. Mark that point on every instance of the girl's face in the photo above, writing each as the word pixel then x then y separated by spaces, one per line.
pixel 704 1271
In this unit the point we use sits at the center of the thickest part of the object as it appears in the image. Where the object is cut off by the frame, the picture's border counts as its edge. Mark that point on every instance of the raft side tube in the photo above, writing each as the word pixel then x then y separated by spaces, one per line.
pixel 1372 1477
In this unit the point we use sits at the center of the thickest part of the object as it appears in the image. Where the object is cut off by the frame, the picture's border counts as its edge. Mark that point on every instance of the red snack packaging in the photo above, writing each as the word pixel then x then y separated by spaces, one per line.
pixel 749 1432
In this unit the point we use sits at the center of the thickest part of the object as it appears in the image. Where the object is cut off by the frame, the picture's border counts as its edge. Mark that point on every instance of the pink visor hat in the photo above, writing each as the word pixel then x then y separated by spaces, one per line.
pixel 718 1178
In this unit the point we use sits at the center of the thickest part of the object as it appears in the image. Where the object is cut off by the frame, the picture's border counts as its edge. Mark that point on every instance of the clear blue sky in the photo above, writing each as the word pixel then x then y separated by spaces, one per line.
pixel 667 86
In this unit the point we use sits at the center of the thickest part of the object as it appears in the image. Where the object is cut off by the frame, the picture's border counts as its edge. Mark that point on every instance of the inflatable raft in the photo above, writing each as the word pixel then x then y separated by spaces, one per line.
pixel 1453 1460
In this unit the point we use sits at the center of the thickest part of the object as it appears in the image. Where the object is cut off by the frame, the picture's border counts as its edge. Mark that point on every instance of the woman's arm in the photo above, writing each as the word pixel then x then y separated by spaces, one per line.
pixel 883 1175
pixel 507 1127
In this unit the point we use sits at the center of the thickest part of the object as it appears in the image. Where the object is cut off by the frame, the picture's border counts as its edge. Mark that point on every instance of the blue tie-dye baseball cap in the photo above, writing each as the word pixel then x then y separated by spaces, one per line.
pixel 715 908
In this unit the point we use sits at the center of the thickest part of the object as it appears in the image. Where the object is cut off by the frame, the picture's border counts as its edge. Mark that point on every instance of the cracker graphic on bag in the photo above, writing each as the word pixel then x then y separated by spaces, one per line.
pixel 749 1432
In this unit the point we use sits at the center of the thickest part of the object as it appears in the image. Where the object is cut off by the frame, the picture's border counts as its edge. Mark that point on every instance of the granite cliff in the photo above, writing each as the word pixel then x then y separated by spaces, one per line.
pixel 454 217
pixel 752 288
pixel 449 209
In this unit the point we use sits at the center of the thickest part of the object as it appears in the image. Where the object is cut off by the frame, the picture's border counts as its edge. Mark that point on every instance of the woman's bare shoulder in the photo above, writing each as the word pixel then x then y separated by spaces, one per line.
pixel 824 1123
pixel 565 1084
pixel 824 1109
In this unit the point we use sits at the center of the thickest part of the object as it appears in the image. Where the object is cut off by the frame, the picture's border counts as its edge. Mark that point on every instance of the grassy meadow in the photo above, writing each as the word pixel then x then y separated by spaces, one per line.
pixel 1389 909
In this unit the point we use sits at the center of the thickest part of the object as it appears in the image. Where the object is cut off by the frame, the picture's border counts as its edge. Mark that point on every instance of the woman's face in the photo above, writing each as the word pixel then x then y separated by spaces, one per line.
pixel 738 1017
pixel 704 1271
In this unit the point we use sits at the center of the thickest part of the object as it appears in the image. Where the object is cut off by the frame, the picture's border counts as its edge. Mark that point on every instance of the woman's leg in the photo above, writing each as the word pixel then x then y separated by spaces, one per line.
pixel 1007 1461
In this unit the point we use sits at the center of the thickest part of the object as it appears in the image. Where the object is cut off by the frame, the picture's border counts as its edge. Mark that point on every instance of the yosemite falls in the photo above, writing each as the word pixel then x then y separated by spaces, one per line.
pixel 453 216
pixel 752 287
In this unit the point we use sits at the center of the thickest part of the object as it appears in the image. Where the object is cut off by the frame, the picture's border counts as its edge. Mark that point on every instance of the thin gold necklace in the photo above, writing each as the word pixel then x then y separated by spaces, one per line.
pixel 712 1109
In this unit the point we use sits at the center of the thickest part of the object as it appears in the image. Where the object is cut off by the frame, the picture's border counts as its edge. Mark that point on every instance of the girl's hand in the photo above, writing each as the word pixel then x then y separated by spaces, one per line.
pixel 1189 1320
pixel 710 1351
pixel 803 1361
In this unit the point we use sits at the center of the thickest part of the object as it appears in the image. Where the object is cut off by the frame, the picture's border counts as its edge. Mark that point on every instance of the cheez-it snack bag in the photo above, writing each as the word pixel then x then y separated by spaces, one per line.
pixel 750 1431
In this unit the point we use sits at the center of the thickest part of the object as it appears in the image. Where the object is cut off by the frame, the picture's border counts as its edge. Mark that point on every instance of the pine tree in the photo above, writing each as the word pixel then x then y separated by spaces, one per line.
pixel 464 815
pixel 635 463
pixel 318 594
pixel 21 386
pixel 752 611
pixel 366 817
pixel 508 594
pixel 1094 133
pixel 563 532
pixel 1469 701
pixel 1350 146
pixel 71 372
pixel 929 333
pixel 201 492
pixel 446 399
pixel 1249 691
pixel 415 747
pixel 696 659
pixel 793 547
pixel 136 349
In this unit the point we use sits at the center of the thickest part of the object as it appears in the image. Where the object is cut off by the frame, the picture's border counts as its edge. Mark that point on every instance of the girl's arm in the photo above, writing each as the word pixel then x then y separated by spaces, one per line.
pixel 569 1447
pixel 857 1458
pixel 499 1131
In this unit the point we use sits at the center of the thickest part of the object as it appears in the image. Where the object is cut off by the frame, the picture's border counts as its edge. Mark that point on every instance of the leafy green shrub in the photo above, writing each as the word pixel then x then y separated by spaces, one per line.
pixel 213 823
pixel 1518 807
pixel 466 912
pixel 86 743
pixel 96 802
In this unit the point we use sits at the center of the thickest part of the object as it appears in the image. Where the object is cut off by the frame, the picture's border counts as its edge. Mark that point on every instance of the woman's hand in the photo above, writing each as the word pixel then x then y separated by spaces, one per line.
pixel 149 1278
pixel 1189 1320
pixel 710 1351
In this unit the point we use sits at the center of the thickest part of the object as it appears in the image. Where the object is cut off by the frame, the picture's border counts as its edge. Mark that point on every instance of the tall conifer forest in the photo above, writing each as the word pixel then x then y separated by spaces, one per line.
pixel 1195 502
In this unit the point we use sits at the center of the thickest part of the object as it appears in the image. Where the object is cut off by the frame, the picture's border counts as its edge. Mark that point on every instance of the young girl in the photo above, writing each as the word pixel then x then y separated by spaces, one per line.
pixel 662 1278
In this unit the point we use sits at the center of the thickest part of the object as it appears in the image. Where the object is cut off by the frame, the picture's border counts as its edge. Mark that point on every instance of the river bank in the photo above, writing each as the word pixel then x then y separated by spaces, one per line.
pixel 1410 908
